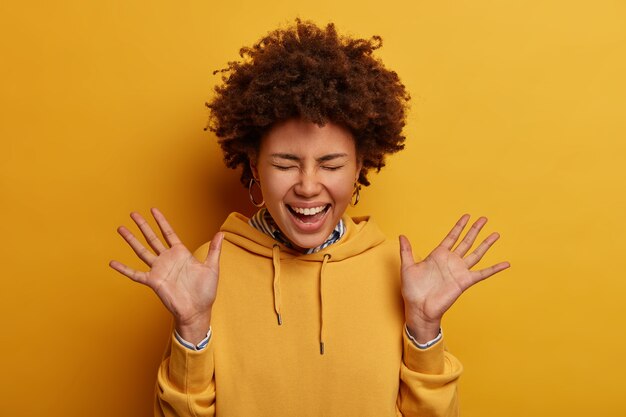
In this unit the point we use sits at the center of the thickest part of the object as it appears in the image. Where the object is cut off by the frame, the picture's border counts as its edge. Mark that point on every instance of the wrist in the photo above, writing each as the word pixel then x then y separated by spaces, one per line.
pixel 195 330
pixel 422 330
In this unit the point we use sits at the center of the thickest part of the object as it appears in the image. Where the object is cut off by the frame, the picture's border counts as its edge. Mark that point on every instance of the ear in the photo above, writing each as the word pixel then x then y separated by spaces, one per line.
pixel 359 166
pixel 253 168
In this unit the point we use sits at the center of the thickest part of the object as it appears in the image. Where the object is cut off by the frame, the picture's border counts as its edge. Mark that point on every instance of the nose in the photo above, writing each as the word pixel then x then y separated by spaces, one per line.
pixel 308 185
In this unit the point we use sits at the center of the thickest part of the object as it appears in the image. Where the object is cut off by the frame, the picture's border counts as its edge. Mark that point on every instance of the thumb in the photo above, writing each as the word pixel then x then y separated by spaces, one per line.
pixel 406 253
pixel 215 248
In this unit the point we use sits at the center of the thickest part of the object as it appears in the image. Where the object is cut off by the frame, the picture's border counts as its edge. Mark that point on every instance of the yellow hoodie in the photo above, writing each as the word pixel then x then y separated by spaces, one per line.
pixel 338 349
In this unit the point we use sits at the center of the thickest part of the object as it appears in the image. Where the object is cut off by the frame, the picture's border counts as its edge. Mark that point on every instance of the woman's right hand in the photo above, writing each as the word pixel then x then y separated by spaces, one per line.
pixel 186 286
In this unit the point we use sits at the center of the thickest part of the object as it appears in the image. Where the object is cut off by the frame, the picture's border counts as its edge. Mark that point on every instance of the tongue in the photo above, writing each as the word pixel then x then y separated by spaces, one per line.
pixel 310 219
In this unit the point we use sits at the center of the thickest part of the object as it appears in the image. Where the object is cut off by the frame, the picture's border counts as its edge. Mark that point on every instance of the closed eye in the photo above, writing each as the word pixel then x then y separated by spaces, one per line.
pixel 283 167
pixel 332 167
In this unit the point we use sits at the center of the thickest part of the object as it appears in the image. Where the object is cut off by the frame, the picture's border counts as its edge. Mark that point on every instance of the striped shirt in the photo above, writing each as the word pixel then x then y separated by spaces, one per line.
pixel 263 222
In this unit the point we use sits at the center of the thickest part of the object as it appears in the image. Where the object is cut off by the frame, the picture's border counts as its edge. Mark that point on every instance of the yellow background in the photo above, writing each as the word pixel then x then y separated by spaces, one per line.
pixel 518 113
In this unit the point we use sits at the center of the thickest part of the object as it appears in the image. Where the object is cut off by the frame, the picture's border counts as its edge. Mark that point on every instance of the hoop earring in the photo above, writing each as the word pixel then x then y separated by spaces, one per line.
pixel 356 194
pixel 252 182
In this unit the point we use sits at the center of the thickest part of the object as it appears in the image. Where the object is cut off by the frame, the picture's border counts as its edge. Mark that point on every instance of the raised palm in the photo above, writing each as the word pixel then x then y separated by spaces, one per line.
pixel 186 286
pixel 430 287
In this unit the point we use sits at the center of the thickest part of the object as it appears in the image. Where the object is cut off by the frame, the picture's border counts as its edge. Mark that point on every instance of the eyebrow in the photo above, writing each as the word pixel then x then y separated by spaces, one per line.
pixel 324 158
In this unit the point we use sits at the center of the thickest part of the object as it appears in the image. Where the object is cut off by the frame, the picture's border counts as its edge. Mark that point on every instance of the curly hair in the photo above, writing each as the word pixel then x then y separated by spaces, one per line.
pixel 308 72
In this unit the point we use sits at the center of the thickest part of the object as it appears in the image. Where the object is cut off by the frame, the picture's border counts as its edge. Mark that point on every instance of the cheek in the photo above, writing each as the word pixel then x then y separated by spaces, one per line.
pixel 342 190
pixel 274 185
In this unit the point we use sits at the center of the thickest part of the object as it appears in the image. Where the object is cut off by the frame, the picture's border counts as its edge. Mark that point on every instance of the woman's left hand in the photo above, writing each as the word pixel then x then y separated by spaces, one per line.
pixel 430 287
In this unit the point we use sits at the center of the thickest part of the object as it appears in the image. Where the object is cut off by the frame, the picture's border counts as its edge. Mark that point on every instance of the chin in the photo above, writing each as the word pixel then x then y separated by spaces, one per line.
pixel 308 243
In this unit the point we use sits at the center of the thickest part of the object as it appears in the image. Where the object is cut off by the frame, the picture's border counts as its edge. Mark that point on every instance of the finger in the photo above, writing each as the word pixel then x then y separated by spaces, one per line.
pixel 470 237
pixel 137 276
pixel 487 272
pixel 166 229
pixel 151 237
pixel 213 256
pixel 141 251
pixel 478 253
pixel 454 234
pixel 406 252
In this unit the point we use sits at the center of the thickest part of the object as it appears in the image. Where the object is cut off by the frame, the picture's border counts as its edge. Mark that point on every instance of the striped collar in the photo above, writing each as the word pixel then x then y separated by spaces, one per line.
pixel 264 222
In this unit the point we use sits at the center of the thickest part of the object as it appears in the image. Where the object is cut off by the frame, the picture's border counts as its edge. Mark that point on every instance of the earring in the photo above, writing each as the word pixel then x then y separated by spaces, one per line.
pixel 252 182
pixel 356 194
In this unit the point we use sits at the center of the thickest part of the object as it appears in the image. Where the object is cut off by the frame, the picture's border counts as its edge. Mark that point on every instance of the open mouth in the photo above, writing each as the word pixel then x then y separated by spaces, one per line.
pixel 308 214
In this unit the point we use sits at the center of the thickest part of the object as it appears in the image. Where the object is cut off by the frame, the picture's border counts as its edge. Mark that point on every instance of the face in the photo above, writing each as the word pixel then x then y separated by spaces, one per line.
pixel 307 175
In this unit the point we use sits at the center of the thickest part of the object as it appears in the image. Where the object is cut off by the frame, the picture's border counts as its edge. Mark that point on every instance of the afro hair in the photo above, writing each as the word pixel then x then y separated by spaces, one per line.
pixel 312 73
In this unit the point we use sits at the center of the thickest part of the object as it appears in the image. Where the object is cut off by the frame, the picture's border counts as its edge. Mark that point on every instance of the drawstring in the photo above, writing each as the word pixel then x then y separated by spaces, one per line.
pixel 277 299
pixel 326 258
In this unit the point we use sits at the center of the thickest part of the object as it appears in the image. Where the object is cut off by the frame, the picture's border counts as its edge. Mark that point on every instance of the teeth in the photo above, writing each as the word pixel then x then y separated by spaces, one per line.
pixel 308 211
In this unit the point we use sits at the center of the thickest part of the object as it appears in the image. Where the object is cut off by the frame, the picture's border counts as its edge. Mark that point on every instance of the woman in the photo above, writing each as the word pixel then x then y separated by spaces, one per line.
pixel 315 314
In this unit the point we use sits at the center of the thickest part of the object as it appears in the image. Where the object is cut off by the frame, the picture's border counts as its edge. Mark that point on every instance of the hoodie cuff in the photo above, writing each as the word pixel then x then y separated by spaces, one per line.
pixel 429 360
pixel 190 370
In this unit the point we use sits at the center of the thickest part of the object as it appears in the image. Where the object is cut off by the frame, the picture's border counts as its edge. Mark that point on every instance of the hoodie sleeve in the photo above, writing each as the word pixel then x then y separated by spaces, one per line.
pixel 428 381
pixel 186 382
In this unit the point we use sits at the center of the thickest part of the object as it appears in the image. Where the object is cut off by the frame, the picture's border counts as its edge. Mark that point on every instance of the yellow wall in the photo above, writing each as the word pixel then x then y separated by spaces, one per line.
pixel 518 113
